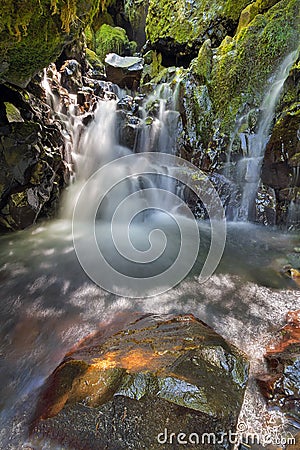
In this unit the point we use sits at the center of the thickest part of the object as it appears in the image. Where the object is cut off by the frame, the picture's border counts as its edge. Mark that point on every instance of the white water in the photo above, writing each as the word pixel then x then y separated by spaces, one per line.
pixel 48 302
pixel 99 145
pixel 247 172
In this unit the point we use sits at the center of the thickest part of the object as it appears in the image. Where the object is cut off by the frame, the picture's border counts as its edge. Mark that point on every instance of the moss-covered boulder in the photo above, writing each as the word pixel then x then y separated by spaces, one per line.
pixel 178 28
pixel 110 39
pixel 156 376
pixel 244 64
pixel 34 33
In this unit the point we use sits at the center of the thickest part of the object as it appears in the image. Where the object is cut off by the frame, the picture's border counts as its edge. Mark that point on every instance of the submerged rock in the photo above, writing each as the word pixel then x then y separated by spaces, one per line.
pixel 156 376
pixel 281 385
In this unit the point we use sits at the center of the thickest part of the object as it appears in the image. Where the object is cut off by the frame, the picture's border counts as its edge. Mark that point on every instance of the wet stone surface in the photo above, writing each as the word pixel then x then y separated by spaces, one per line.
pixel 281 385
pixel 159 374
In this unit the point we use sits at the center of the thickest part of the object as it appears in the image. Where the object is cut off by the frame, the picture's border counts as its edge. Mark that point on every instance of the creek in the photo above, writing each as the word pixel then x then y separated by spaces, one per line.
pixel 50 300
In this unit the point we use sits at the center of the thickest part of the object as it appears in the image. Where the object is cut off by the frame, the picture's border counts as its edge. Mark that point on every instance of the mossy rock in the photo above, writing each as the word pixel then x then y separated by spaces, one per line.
pixel 136 13
pixel 32 34
pixel 184 25
pixel 110 40
pixel 93 60
pixel 202 65
pixel 152 67
pixel 244 64
pixel 12 112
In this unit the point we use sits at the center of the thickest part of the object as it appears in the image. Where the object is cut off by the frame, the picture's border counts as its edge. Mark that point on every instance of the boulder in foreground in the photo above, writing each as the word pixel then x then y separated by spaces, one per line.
pixel 157 376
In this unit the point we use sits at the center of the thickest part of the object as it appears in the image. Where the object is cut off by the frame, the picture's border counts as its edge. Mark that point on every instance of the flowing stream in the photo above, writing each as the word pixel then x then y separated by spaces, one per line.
pixel 48 302
pixel 248 169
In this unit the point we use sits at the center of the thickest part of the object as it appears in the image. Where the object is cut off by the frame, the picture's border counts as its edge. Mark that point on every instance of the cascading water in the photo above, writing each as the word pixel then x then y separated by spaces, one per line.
pixel 99 144
pixel 48 302
pixel 247 171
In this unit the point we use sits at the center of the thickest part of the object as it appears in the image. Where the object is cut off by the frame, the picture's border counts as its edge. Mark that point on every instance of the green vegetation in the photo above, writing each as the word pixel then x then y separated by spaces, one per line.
pixel 110 40
pixel 244 64
pixel 187 22
pixel 33 33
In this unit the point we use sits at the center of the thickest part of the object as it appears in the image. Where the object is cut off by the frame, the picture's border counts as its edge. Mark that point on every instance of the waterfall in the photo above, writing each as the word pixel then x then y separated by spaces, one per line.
pixel 99 144
pixel 247 170
pixel 48 301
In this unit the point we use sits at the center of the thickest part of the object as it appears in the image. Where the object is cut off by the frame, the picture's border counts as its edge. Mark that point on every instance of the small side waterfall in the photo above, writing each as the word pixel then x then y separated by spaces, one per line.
pixel 247 171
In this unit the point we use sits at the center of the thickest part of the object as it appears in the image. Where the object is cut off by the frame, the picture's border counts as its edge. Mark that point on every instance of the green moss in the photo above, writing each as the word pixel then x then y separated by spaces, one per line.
pixel 295 160
pixel 89 37
pixel 93 59
pixel 258 7
pixel 243 65
pixel 19 199
pixel 233 8
pixel 187 22
pixel 33 33
pixel 12 113
pixel 152 67
pixel 110 40
pixel 202 65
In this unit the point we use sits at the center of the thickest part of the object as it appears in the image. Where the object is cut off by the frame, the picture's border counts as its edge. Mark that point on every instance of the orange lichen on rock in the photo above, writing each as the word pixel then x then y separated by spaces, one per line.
pixel 290 334
pixel 281 385
pixel 149 348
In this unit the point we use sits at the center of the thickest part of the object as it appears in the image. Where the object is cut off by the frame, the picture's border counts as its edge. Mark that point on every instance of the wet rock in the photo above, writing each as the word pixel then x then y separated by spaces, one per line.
pixel 124 71
pixel 226 190
pixel 127 103
pixel 129 131
pixel 265 205
pixel 157 375
pixel 31 159
pixel 281 385
pixel 281 165
pixel 71 78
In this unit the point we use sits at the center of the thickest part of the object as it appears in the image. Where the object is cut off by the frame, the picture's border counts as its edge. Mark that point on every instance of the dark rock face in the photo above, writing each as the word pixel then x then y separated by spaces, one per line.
pixel 281 385
pixel 31 160
pixel 157 376
pixel 36 140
